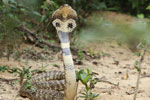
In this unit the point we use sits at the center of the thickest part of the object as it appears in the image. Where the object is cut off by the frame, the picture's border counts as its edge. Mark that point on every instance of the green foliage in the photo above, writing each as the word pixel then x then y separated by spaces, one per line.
pixel 36 15
pixel 92 54
pixel 80 55
pixel 134 7
pixel 140 16
pixel 137 64
pixel 14 13
pixel 24 73
pixel 3 68
pixel 88 80
pixel 88 96
pixel 141 46
pixel 148 7
pixel 9 20
pixel 138 53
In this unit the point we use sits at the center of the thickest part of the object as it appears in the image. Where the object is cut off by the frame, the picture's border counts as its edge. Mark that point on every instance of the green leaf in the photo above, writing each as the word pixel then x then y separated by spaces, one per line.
pixel 13 1
pixel 138 54
pixel 9 71
pixel 82 96
pixel 15 74
pixel 81 71
pixel 92 95
pixel 43 18
pixel 88 71
pixel 28 85
pixel 36 13
pixel 148 8
pixel 14 69
pixel 83 93
pixel 87 78
pixel 5 2
pixel 94 81
pixel 140 16
pixel 83 76
pixel 3 68
pixel 137 68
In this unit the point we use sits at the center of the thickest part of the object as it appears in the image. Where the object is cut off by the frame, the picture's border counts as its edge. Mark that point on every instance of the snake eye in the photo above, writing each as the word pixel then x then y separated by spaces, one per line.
pixel 57 24
pixel 70 25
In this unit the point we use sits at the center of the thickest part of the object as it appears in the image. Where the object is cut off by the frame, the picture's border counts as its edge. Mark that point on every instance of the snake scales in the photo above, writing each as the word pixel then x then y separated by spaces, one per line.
pixel 57 85
pixel 47 86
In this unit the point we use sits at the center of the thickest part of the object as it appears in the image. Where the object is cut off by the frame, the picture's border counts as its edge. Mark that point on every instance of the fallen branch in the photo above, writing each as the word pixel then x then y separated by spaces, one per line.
pixel 8 80
pixel 34 39
pixel 104 81
pixel 132 92
pixel 144 76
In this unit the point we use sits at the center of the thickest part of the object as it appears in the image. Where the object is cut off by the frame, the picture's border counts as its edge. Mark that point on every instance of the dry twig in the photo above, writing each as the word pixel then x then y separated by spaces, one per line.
pixel 33 38
pixel 139 72
pixel 104 81
pixel 8 80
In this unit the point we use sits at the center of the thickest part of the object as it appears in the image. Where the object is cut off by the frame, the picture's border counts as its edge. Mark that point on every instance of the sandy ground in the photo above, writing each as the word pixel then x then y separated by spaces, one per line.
pixel 113 68
pixel 106 68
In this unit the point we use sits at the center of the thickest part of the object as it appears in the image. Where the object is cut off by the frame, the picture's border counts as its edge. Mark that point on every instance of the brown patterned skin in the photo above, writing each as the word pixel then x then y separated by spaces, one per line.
pixel 46 86
pixel 57 85
pixel 65 12
pixel 51 75
pixel 42 94
pixel 64 21
pixel 53 80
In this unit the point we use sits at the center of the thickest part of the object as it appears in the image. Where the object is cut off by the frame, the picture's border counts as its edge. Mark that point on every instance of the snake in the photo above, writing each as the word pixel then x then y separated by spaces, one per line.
pixel 57 85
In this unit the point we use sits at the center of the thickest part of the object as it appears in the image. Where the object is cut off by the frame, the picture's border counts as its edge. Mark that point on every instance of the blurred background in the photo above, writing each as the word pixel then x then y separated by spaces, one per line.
pixel 125 21
pixel 108 40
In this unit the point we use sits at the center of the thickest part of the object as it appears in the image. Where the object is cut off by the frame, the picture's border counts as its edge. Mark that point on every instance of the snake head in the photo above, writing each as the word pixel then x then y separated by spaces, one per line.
pixel 64 19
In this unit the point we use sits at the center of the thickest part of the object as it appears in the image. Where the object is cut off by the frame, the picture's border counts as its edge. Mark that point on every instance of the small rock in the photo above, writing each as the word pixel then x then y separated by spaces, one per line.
pixel 95 63
pixel 116 63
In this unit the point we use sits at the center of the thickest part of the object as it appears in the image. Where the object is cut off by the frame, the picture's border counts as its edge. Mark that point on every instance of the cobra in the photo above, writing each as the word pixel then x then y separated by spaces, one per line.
pixel 57 85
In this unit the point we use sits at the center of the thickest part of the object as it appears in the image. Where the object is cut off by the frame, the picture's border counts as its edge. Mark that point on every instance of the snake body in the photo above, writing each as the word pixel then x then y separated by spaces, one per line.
pixel 46 86
pixel 57 85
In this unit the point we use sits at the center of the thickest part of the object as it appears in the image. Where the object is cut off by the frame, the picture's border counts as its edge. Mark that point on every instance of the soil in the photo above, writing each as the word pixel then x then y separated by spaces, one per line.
pixel 116 66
